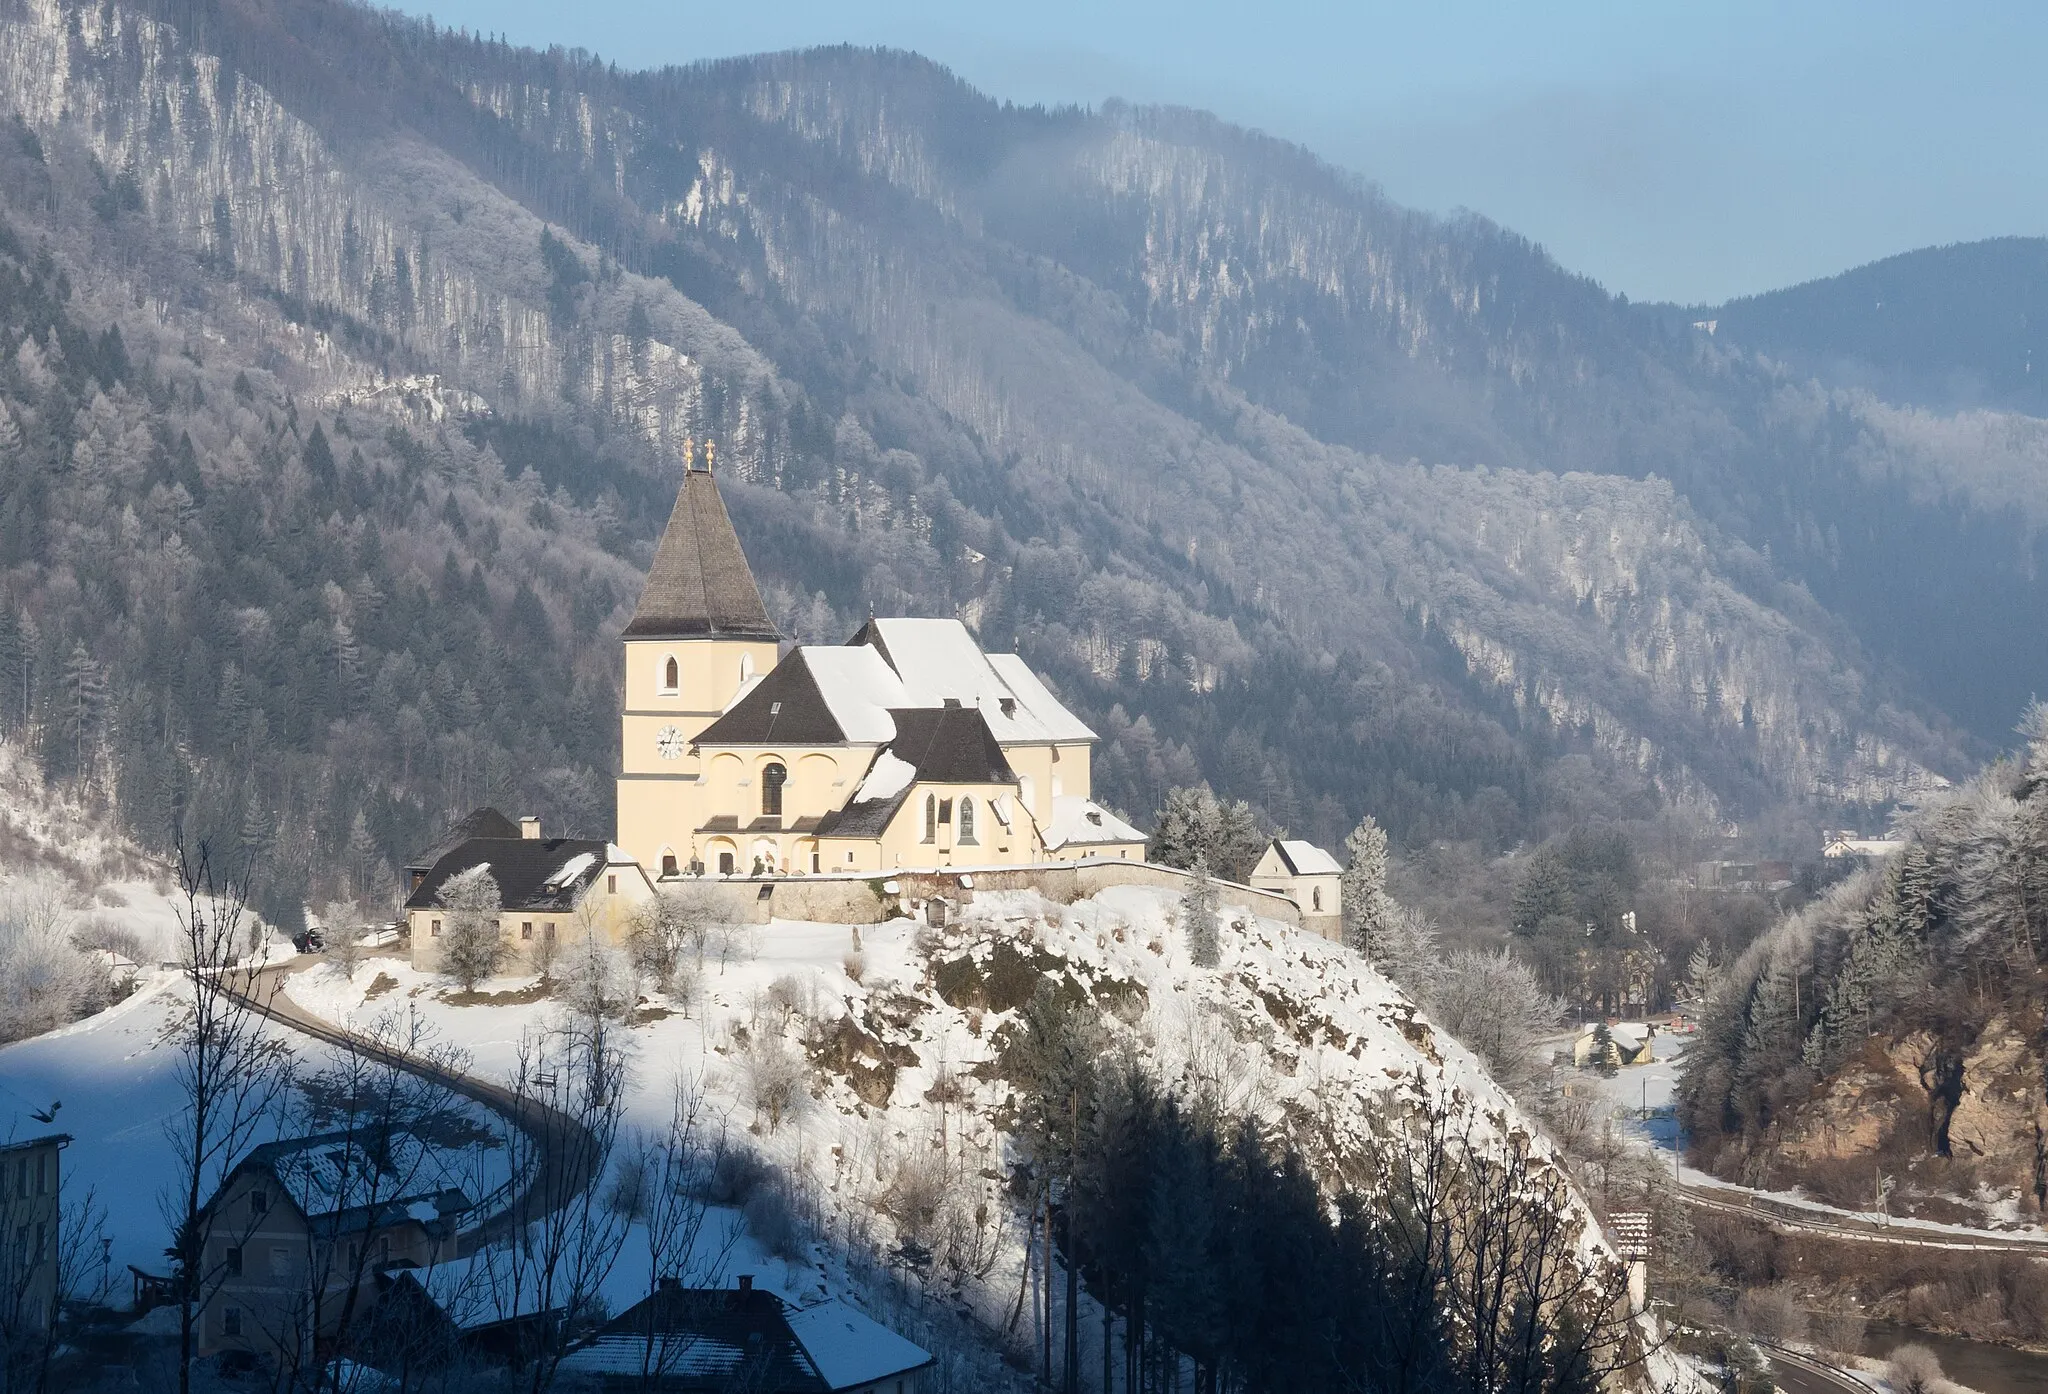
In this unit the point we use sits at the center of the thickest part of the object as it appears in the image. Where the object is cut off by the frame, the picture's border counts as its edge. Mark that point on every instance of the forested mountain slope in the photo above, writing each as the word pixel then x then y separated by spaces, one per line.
pixel 1895 1028
pixel 1342 507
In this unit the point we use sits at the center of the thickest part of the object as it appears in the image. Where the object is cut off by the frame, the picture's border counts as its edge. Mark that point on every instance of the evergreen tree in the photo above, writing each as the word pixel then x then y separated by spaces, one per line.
pixel 1199 907
pixel 1368 909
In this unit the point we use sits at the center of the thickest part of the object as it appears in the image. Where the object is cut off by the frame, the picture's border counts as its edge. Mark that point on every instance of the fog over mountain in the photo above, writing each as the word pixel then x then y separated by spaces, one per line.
pixel 348 363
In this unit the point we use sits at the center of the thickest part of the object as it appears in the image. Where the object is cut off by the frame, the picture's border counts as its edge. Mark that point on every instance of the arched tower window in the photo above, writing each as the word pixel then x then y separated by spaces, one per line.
pixel 967 820
pixel 671 675
pixel 746 668
pixel 773 777
pixel 931 817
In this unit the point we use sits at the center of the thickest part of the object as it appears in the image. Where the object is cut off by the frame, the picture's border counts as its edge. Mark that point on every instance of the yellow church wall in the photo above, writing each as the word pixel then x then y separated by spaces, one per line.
pixel 1047 772
pixel 902 844
pixel 709 674
pixel 657 815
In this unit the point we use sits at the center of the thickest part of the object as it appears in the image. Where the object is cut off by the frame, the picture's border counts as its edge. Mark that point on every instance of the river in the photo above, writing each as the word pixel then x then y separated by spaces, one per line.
pixel 1985 1368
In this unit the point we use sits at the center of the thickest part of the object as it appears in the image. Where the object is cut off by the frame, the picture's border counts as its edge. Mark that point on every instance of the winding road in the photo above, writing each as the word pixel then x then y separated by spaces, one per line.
pixel 566 1151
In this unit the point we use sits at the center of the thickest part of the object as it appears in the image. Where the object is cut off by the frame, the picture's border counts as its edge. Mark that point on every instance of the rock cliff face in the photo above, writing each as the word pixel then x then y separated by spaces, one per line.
pixel 1967 1119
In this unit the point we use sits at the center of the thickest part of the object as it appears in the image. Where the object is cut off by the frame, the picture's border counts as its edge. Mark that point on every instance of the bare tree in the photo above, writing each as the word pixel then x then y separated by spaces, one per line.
pixel 472 940
pixel 662 1183
pixel 673 928
pixel 231 1071
pixel 562 1232
pixel 392 1126
pixel 1495 1006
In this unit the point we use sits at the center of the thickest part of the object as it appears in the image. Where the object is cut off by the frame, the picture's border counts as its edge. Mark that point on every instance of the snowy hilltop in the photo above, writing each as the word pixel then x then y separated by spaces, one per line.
pixel 900 1094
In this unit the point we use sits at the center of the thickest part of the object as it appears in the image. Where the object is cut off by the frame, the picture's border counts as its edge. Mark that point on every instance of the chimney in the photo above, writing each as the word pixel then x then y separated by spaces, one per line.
pixel 670 1283
pixel 746 1282
pixel 529 826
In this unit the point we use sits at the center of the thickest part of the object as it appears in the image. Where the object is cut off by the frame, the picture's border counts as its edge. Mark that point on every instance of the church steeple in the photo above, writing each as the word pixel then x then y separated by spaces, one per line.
pixel 700 585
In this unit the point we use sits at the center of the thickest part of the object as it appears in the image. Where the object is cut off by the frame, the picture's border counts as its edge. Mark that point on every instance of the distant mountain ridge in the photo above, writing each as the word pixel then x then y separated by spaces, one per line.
pixel 1341 506
pixel 1958 326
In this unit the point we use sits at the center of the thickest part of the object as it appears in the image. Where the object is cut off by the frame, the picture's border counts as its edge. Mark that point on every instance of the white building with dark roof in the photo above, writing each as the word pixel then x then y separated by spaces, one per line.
pixel 905 748
pixel 1308 876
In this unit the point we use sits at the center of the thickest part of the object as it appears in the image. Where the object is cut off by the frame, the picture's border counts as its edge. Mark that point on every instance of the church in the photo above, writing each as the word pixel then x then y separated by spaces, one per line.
pixel 905 748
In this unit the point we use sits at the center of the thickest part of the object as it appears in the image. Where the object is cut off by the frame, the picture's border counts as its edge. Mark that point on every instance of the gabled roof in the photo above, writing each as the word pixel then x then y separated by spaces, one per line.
pixel 483 822
pixel 1305 858
pixel 937 660
pixel 363 1179
pixel 727 1338
pixel 949 745
pixel 700 584
pixel 532 873
pixel 815 696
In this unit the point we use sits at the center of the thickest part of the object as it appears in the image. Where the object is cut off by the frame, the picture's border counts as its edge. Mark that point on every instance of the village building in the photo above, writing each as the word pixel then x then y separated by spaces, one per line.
pixel 700 1340
pixel 550 890
pixel 300 1223
pixel 29 1190
pixel 1614 1045
pixel 1308 876
pixel 906 748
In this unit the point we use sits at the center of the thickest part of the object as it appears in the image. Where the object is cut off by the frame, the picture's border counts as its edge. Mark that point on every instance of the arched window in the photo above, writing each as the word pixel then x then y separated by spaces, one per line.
pixel 773 777
pixel 746 668
pixel 931 817
pixel 1315 896
pixel 967 820
pixel 671 676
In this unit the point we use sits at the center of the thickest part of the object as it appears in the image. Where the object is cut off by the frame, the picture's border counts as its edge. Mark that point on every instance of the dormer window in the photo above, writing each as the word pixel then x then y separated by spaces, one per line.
pixel 671 677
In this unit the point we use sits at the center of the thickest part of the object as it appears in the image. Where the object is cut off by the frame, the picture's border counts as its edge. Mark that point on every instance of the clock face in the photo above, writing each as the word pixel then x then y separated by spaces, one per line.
pixel 669 741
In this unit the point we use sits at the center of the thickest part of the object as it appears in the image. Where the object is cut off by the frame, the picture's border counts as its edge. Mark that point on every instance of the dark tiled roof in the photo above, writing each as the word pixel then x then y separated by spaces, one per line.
pixel 706 1338
pixel 527 870
pixel 867 818
pixel 785 708
pixel 484 822
pixel 700 583
pixel 949 745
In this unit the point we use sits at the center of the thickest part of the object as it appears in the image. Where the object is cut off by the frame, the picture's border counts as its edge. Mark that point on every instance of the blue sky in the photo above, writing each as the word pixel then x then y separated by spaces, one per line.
pixel 1672 151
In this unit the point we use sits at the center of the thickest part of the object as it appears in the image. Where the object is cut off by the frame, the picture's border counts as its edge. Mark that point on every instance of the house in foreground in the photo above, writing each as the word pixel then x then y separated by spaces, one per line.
pixel 299 1229
pixel 29 1190
pixel 698 1340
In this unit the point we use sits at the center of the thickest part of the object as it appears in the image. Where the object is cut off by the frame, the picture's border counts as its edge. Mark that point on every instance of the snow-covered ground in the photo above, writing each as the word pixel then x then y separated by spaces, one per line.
pixel 899 1027
pixel 113 1079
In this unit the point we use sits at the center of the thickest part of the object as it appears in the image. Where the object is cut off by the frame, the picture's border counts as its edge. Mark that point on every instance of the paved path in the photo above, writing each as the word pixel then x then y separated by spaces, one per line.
pixel 565 1149
pixel 1798 1373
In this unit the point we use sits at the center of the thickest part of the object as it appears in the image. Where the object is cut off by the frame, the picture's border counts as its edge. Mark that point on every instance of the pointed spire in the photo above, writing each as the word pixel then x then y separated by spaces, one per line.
pixel 700 585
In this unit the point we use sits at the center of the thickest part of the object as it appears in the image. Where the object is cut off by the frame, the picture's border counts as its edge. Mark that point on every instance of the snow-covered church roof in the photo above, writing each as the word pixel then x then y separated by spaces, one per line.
pixel 843 694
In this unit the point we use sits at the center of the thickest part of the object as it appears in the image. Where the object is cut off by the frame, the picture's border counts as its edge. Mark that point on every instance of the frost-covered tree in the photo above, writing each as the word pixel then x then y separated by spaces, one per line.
pixel 1199 904
pixel 472 942
pixel 1494 1005
pixel 1193 823
pixel 1368 909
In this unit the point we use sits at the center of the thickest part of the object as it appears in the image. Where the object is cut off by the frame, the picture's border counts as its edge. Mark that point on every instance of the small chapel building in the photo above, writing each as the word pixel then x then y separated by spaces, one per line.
pixel 905 748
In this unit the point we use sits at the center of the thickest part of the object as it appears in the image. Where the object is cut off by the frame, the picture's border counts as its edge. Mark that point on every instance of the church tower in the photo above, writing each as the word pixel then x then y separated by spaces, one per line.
pixel 700 634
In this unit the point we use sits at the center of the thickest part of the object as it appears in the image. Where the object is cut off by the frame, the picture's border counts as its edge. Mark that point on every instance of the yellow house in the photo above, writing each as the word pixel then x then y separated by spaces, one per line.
pixel 906 748
pixel 549 889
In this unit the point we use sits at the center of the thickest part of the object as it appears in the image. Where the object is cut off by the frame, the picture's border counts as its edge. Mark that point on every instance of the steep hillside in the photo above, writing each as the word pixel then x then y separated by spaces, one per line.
pixel 1259 468
pixel 914 1090
pixel 1896 1028
pixel 1958 326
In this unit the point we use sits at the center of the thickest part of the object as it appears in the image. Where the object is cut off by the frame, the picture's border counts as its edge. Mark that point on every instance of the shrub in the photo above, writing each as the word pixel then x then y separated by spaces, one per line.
pixel 774 1223
pixel 1773 1313
pixel 1915 1370
pixel 771 1079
